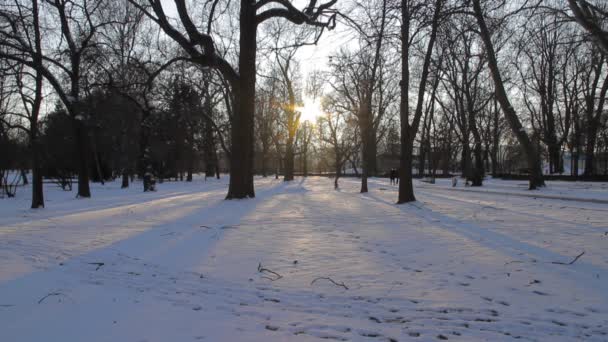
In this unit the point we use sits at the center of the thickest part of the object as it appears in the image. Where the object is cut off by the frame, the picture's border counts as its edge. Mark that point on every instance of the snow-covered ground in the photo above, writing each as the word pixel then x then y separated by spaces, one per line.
pixel 182 264
pixel 581 191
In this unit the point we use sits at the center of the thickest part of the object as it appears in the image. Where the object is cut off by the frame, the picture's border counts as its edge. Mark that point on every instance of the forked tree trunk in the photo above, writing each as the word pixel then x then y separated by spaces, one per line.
pixel 408 132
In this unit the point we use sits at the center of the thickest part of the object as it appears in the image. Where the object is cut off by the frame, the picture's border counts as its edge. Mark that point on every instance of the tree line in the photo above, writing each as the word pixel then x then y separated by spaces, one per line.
pixel 165 89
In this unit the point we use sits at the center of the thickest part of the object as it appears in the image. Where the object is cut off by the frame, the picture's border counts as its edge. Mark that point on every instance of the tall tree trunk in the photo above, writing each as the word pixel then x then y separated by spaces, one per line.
pixel 338 171
pixel 82 143
pixel 467 161
pixel 145 159
pixel 478 169
pixel 495 140
pixel 406 186
pixel 24 180
pixel 98 168
pixel 408 132
pixel 125 180
pixel 365 127
pixel 305 163
pixel 264 161
pixel 532 155
pixel 590 149
pixel 289 161
pixel 241 158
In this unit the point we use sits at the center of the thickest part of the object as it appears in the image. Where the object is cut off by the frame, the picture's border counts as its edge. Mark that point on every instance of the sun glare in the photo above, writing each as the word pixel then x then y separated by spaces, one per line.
pixel 310 111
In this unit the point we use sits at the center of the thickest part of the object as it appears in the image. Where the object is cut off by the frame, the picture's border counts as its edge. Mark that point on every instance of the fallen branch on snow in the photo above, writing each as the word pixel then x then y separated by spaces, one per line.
pixel 571 262
pixel 98 264
pixel 331 280
pixel 265 270
pixel 49 295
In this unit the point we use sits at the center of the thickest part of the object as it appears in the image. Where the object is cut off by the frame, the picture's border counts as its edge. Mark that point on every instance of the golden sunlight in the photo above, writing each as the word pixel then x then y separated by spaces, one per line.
pixel 310 111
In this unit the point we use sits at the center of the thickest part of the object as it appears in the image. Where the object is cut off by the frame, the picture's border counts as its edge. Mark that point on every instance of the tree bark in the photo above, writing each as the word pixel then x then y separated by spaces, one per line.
pixel 241 161
pixel 82 143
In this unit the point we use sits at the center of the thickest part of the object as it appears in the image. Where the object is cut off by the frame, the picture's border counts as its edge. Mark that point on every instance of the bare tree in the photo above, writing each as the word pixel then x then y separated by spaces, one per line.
pixel 590 17
pixel 409 129
pixel 532 154
pixel 78 23
pixel 200 45
pixel 337 133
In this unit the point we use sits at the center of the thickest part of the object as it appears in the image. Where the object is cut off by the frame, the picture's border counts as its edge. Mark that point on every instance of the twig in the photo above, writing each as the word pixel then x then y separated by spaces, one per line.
pixel 513 262
pixel 50 294
pixel 262 270
pixel 331 280
pixel 99 264
pixel 571 262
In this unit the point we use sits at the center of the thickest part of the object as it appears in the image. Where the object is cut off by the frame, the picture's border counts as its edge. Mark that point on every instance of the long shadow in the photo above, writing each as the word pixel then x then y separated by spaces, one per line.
pixel 108 203
pixel 521 213
pixel 501 242
pixel 179 236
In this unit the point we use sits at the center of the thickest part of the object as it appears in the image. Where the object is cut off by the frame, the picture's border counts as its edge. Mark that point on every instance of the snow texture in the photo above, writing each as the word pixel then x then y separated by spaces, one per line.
pixel 302 262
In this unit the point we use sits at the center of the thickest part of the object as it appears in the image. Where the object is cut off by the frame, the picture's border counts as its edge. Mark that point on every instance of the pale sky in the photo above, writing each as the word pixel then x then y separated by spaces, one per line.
pixel 311 57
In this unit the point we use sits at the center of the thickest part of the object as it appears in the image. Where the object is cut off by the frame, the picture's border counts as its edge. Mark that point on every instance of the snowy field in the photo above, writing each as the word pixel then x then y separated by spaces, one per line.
pixel 303 262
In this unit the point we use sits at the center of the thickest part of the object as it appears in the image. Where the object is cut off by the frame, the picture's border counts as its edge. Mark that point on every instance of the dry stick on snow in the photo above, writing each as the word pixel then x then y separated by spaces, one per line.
pixel 569 263
pixel 262 270
pixel 48 295
pixel 331 280
pixel 98 264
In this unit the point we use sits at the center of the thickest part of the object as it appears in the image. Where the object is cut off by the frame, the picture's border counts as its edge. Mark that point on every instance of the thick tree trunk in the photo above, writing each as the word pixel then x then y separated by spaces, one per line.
pixel 478 169
pixel 532 155
pixel 37 181
pixel 368 145
pixel 82 140
pixel 555 156
pixel 305 163
pixel 189 172
pixel 421 158
pixel 98 168
pixel 289 161
pixel 125 180
pixel 406 185
pixel 338 172
pixel 495 140
pixel 145 160
pixel 37 186
pixel 590 149
pixel 24 177
pixel 241 161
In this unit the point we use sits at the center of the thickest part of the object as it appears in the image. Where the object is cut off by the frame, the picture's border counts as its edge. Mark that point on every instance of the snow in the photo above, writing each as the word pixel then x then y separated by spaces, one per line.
pixel 578 191
pixel 181 264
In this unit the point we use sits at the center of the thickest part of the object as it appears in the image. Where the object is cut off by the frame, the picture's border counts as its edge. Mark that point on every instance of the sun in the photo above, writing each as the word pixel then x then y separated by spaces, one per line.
pixel 310 111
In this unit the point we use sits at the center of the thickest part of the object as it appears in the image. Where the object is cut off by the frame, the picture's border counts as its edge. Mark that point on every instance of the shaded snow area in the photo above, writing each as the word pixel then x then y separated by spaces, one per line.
pixel 302 262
